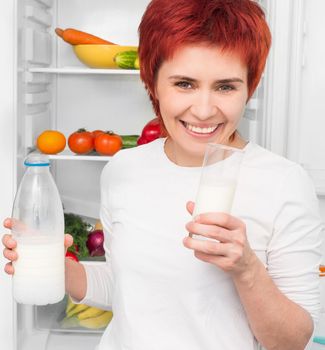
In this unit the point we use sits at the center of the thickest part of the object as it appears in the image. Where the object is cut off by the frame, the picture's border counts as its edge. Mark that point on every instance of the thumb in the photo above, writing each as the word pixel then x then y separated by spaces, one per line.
pixel 190 207
pixel 68 240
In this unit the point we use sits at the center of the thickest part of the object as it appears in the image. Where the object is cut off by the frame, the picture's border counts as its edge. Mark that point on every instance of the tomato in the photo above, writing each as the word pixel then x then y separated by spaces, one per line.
pixel 81 142
pixel 51 142
pixel 108 143
pixel 95 133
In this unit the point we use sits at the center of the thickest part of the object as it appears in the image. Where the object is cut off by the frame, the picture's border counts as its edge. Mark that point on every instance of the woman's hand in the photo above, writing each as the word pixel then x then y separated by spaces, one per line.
pixel 10 245
pixel 232 253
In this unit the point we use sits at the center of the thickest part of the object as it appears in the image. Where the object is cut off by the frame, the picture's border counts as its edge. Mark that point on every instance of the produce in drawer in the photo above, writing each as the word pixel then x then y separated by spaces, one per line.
pixel 81 315
pixel 77 37
pixel 151 131
pixel 81 142
pixel 71 256
pixel 126 59
pixel 95 243
pixel 108 143
pixel 98 322
pixel 78 229
pixel 51 142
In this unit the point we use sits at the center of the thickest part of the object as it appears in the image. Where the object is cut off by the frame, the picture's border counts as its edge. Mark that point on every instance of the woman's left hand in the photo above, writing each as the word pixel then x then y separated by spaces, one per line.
pixel 231 252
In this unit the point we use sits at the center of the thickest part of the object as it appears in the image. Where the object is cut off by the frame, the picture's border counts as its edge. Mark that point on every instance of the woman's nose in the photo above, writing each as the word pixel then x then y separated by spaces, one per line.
pixel 204 105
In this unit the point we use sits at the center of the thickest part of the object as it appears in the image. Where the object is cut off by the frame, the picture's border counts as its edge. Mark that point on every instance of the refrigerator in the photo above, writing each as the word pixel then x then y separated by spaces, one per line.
pixel 44 86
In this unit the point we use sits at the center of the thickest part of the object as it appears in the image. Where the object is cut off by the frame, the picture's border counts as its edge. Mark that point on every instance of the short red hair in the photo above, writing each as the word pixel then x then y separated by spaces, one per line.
pixel 238 26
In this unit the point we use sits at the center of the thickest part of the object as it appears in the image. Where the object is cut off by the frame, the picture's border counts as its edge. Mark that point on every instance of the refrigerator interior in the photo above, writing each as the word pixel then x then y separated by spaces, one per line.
pixel 56 91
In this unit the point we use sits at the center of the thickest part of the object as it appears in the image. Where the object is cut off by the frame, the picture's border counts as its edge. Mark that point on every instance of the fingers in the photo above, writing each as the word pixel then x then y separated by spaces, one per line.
pixel 10 254
pixel 190 207
pixel 220 219
pixel 210 231
pixel 9 242
pixel 7 223
pixel 206 247
pixel 68 240
pixel 9 269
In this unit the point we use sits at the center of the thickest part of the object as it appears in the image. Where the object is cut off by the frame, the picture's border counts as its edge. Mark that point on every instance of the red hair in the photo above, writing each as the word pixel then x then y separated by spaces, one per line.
pixel 237 26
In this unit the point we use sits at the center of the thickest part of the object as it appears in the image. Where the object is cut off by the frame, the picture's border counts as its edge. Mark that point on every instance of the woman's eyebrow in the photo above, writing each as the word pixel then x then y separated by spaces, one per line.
pixel 218 81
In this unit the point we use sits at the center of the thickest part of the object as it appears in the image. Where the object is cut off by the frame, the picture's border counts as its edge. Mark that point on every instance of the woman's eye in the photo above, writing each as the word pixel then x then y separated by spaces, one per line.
pixel 225 88
pixel 184 84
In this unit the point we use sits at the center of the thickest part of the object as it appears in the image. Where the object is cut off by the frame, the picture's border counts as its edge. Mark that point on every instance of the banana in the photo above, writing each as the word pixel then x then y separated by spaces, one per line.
pixel 91 312
pixel 78 308
pixel 100 321
pixel 70 305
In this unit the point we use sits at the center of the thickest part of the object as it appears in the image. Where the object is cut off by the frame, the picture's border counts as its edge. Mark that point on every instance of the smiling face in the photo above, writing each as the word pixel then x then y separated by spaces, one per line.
pixel 202 94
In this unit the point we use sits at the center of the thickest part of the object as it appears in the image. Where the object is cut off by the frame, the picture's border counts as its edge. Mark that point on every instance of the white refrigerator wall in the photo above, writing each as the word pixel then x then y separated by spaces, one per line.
pixel 285 114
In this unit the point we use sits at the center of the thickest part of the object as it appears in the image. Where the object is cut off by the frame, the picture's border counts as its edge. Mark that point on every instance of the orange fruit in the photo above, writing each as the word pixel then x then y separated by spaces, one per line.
pixel 51 142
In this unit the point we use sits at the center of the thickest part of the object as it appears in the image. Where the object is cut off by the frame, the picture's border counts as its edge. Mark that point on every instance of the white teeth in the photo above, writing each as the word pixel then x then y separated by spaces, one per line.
pixel 200 130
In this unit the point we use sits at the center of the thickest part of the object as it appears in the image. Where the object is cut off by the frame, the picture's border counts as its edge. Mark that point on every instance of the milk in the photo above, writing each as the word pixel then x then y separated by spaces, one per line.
pixel 39 270
pixel 216 197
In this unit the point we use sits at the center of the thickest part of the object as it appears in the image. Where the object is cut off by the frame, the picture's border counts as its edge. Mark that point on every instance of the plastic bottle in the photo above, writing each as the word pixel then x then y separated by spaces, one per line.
pixel 38 228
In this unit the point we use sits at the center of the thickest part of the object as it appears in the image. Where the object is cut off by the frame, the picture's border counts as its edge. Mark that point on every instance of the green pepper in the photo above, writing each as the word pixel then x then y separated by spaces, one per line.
pixel 129 141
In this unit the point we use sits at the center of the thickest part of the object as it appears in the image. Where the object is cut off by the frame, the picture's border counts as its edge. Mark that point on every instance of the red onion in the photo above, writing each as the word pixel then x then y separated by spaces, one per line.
pixel 95 243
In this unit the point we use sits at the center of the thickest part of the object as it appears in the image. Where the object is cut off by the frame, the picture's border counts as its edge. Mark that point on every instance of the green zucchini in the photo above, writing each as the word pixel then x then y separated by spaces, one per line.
pixel 129 141
pixel 126 59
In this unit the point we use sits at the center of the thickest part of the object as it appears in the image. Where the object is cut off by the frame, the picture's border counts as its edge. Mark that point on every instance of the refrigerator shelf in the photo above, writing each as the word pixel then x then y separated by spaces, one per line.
pixel 81 70
pixel 68 155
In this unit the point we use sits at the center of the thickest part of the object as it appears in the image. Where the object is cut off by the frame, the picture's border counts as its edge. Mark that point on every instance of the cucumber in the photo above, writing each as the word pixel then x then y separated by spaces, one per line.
pixel 126 59
pixel 129 141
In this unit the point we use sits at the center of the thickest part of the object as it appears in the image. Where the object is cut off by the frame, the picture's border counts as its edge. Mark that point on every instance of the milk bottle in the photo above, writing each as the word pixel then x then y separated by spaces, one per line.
pixel 38 228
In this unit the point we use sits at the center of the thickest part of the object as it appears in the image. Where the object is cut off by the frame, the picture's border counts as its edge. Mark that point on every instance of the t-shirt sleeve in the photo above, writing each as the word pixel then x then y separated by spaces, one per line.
pixel 294 253
pixel 100 276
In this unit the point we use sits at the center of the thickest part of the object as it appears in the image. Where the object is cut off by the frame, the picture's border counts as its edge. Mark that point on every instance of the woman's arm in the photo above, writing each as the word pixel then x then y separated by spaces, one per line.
pixel 276 321
pixel 75 279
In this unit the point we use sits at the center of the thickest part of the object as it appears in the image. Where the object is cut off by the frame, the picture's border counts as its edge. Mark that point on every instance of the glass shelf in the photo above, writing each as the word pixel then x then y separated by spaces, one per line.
pixel 81 70
pixel 68 155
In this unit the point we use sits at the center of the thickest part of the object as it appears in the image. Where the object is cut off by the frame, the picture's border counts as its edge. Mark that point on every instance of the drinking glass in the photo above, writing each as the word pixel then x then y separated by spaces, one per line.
pixel 218 181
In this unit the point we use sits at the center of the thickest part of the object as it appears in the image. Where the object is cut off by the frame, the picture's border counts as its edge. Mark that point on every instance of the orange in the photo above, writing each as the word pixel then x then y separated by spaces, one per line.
pixel 51 142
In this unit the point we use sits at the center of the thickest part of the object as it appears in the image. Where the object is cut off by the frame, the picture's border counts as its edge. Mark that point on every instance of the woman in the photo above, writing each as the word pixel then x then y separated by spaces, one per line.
pixel 201 61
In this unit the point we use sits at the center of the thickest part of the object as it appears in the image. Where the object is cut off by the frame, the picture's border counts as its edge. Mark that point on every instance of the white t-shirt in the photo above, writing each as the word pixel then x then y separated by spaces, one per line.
pixel 162 297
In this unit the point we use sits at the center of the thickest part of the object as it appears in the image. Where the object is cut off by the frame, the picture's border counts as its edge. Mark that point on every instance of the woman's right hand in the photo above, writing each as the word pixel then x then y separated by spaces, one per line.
pixel 10 244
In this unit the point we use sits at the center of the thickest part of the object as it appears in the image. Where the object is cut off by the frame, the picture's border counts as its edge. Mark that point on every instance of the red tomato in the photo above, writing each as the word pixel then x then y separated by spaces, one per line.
pixel 108 143
pixel 71 256
pixel 95 133
pixel 81 142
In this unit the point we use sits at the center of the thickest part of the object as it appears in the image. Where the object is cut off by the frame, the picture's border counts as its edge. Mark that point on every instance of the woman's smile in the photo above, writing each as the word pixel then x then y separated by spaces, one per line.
pixel 201 130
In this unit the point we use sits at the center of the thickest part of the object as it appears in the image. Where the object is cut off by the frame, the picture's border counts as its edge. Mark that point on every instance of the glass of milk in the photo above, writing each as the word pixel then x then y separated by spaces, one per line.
pixel 218 181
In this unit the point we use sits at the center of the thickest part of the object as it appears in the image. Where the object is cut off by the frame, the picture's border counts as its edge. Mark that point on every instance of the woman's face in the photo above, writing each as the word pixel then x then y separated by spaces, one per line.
pixel 202 94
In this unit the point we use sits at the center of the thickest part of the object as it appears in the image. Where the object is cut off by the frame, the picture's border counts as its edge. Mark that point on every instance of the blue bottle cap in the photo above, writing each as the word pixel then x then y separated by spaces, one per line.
pixel 35 159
